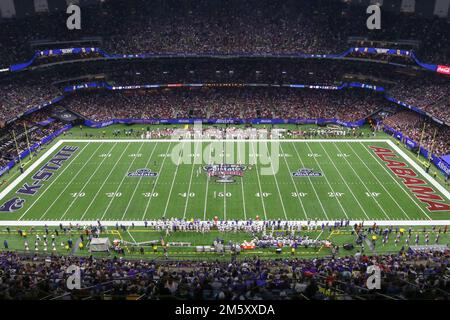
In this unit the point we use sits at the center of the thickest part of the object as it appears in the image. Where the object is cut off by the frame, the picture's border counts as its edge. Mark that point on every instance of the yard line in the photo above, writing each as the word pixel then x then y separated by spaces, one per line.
pixel 242 182
pixel 121 182
pixel 207 185
pixel 70 182
pixel 379 182
pixel 276 183
pixel 54 180
pixel 224 185
pixel 235 140
pixel 310 181
pixel 278 188
pixel 343 179
pixel 156 182
pixel 365 186
pixel 259 181
pixel 393 178
pixel 173 183
pixel 104 182
pixel 419 169
pixel 139 182
pixel 328 182
pixel 225 202
pixel 29 170
pixel 293 182
pixel 190 180
pixel 87 182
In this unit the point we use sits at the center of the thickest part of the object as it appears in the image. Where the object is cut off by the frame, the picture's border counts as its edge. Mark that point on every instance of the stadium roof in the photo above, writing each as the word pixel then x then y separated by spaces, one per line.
pixel 21 8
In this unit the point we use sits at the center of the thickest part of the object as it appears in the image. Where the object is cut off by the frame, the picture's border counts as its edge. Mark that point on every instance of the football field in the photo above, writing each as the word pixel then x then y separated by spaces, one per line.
pixel 82 181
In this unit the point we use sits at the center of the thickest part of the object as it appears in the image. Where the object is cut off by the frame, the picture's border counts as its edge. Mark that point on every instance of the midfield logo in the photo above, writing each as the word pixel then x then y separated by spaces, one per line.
pixel 12 205
pixel 142 173
pixel 225 173
pixel 304 172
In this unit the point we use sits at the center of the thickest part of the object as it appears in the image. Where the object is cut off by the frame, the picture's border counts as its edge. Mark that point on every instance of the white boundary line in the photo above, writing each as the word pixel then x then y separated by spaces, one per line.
pixel 52 182
pixel 420 169
pixel 30 169
pixel 379 182
pixel 391 175
pixel 221 140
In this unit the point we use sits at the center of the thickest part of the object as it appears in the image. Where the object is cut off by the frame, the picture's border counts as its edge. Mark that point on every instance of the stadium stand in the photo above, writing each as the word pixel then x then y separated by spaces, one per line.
pixel 238 60
pixel 432 136
pixel 408 275
pixel 226 103
pixel 164 27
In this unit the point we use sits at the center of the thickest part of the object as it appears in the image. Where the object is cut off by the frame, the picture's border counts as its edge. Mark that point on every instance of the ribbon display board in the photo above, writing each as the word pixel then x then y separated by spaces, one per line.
pixel 365 50
pixel 94 124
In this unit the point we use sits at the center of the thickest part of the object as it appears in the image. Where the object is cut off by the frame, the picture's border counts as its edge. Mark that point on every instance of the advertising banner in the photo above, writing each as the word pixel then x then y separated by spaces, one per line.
pixel 366 50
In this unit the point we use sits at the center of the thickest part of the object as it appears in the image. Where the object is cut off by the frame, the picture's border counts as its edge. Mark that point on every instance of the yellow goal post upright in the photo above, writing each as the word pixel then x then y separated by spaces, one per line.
pixel 430 152
pixel 17 144
pixel 28 140
pixel 421 139
pixel 17 147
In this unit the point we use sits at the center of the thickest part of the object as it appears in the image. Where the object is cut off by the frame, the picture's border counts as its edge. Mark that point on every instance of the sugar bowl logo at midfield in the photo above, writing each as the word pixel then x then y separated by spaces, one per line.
pixel 142 173
pixel 305 172
pixel 225 173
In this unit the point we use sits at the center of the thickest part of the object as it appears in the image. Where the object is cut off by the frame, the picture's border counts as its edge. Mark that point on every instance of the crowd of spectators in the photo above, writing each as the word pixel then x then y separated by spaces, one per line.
pixel 242 103
pixel 222 103
pixel 19 136
pixel 409 275
pixel 424 90
pixel 349 105
pixel 104 106
pixel 432 98
pixel 17 98
pixel 231 26
pixel 429 134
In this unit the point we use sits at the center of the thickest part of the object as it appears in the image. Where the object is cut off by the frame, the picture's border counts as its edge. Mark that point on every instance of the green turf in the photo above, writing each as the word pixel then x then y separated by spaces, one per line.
pixel 93 185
